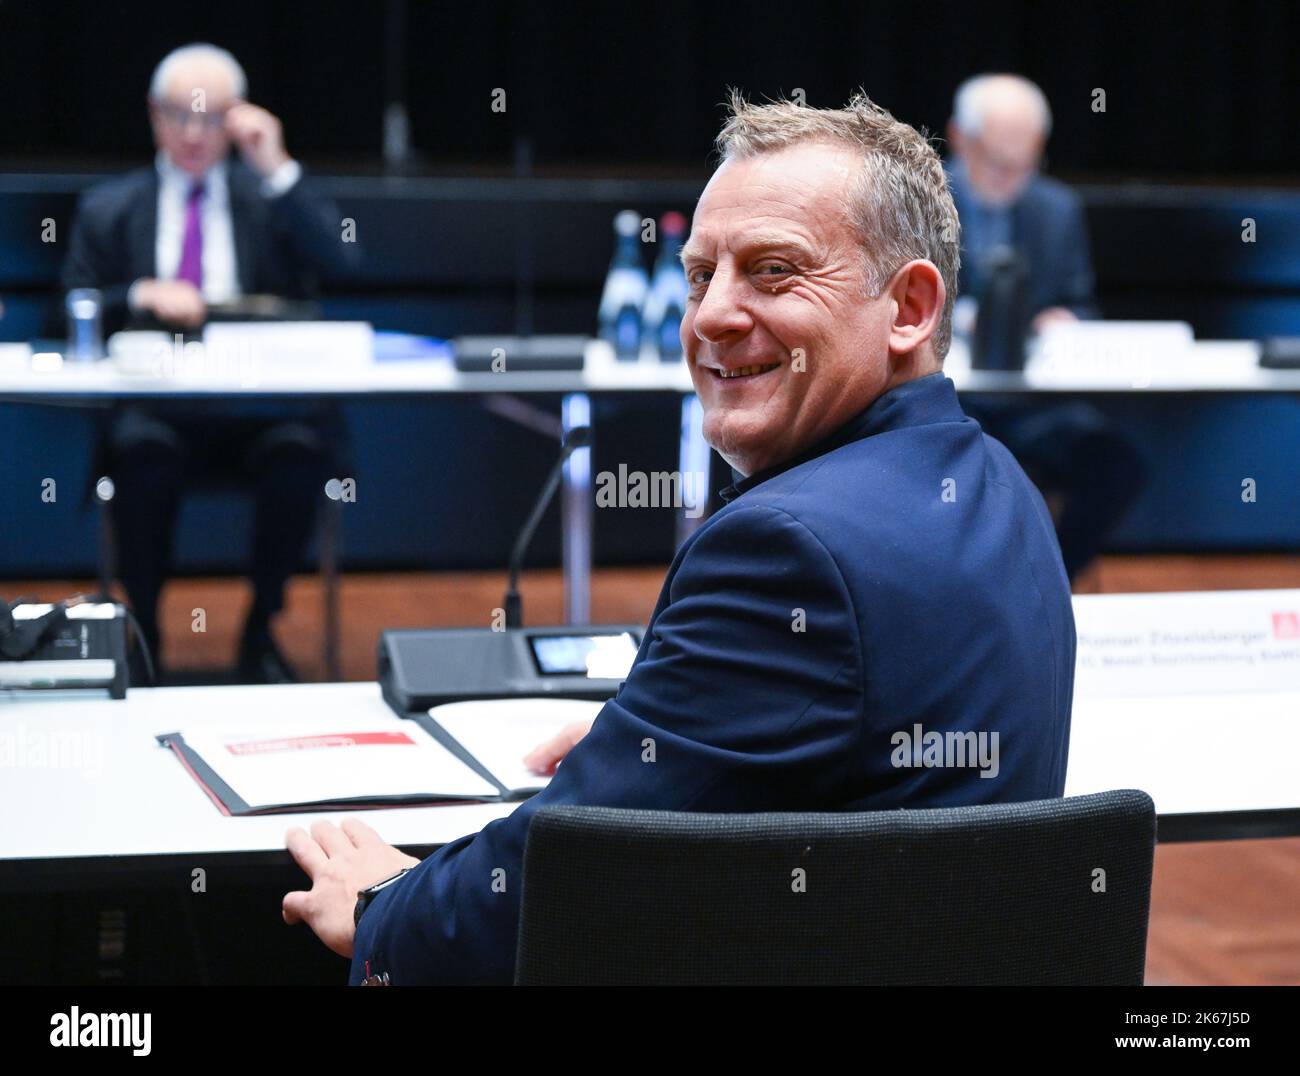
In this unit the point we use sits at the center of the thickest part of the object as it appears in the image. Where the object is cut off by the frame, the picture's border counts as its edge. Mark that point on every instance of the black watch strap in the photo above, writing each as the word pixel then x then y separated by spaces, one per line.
pixel 365 896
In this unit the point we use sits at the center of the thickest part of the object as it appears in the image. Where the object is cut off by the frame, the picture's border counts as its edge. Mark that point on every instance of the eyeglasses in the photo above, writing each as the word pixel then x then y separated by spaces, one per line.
pixel 180 116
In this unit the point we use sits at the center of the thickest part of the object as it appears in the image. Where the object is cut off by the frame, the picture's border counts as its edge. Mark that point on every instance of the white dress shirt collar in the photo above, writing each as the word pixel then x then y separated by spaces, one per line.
pixel 216 180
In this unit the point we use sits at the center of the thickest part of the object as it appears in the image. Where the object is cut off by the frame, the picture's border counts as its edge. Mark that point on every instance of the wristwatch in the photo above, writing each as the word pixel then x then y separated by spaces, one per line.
pixel 365 896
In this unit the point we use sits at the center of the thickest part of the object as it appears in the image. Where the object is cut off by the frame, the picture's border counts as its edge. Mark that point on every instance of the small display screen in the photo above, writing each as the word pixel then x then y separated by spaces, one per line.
pixel 598 657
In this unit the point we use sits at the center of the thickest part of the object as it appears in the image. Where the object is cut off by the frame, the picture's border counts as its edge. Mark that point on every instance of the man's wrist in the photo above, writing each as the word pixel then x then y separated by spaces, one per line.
pixel 366 896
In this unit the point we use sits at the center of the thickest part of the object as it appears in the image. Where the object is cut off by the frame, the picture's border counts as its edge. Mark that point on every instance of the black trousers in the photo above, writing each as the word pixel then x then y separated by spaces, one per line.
pixel 155 452
pixel 1074 451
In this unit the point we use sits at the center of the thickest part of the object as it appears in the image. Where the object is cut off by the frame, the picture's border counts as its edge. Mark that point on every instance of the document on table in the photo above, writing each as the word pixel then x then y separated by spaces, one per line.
pixel 464 751
pixel 498 733
pixel 303 764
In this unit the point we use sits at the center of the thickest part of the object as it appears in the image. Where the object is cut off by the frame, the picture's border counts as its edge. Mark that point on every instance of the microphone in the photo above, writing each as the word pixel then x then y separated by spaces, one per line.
pixel 578 437
pixel 1002 325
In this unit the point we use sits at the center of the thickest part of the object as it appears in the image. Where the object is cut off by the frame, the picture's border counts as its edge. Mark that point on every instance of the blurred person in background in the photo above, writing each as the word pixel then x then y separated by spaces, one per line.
pixel 1089 471
pixel 163 244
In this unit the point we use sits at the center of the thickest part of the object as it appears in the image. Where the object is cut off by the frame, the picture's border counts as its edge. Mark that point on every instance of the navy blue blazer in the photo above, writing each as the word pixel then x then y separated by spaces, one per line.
pixel 282 244
pixel 1049 229
pixel 901 579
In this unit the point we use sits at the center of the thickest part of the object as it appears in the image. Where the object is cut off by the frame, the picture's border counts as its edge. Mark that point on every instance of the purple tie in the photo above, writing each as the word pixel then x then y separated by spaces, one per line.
pixel 191 267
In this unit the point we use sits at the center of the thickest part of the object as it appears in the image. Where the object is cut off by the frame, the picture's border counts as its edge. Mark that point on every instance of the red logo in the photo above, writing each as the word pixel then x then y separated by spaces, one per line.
pixel 308 743
pixel 1286 625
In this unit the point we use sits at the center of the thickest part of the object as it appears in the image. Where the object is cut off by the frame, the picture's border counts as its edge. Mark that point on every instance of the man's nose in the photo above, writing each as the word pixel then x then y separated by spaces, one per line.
pixel 722 312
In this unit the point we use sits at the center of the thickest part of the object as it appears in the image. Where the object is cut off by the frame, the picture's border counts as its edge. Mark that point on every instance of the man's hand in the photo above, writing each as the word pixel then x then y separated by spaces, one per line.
pixel 340 862
pixel 173 302
pixel 1052 314
pixel 259 136
pixel 544 758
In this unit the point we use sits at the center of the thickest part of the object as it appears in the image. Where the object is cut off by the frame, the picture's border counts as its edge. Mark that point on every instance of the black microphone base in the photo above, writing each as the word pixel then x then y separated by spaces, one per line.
pixel 422 668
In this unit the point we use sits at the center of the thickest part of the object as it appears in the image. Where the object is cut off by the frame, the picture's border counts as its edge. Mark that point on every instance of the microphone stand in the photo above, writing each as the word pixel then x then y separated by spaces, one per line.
pixel 578 437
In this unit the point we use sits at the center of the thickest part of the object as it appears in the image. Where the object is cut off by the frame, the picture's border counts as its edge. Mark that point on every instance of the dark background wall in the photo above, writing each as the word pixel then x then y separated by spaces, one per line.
pixel 1192 88
pixel 616 105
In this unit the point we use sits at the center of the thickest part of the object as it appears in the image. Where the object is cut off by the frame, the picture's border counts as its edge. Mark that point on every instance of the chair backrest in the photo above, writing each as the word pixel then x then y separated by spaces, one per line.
pixel 1045 892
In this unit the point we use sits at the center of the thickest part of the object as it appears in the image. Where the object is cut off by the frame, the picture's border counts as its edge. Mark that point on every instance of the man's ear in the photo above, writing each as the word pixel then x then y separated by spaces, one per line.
pixel 917 297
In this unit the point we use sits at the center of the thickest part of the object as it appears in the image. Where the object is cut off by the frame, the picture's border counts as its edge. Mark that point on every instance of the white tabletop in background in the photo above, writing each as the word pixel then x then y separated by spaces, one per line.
pixel 394 377
pixel 1209 366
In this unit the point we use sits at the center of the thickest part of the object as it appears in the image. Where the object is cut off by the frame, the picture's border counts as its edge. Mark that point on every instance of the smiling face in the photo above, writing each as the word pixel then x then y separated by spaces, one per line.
pixel 782 342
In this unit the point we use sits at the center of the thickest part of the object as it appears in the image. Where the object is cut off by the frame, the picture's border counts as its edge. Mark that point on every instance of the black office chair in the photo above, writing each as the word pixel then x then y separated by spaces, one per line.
pixel 1046 892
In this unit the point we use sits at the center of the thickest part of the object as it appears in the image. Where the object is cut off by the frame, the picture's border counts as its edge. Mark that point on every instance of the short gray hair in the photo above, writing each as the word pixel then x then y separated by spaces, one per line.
pixel 969 103
pixel 901 206
pixel 199 50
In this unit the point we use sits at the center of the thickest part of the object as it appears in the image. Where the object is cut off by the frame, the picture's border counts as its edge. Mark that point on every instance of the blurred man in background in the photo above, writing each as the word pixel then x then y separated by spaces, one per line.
pixel 1089 471
pixel 998 132
pixel 165 243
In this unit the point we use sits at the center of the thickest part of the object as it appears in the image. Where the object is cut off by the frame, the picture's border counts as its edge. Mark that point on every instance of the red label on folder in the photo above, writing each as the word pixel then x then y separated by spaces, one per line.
pixel 308 743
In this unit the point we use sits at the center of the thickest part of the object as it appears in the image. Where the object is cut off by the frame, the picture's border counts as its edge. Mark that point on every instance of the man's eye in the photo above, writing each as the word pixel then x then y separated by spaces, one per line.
pixel 699 276
pixel 772 269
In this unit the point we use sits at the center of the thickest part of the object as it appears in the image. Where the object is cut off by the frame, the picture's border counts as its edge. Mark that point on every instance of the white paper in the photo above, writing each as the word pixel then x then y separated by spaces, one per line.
pixel 500 732
pixel 309 760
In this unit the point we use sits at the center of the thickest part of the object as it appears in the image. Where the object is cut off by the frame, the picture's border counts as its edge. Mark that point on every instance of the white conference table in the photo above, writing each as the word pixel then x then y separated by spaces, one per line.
pixel 87 792
pixel 1201 367
pixel 110 800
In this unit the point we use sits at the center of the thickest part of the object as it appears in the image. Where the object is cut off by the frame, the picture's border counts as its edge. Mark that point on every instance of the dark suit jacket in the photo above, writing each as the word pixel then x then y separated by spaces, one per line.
pixel 281 244
pixel 1049 229
pixel 951 612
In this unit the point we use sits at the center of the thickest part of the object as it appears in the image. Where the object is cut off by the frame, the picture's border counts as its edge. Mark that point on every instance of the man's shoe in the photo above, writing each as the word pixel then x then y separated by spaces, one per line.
pixel 260 661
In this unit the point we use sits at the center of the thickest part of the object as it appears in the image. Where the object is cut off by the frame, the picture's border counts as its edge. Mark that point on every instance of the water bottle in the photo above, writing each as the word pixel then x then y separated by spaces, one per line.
pixel 85 328
pixel 666 302
pixel 625 290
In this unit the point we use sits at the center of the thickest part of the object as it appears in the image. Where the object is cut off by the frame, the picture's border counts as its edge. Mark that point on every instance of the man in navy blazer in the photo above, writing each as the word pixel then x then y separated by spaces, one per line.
pixel 1079 457
pixel 877 618
pixel 165 243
